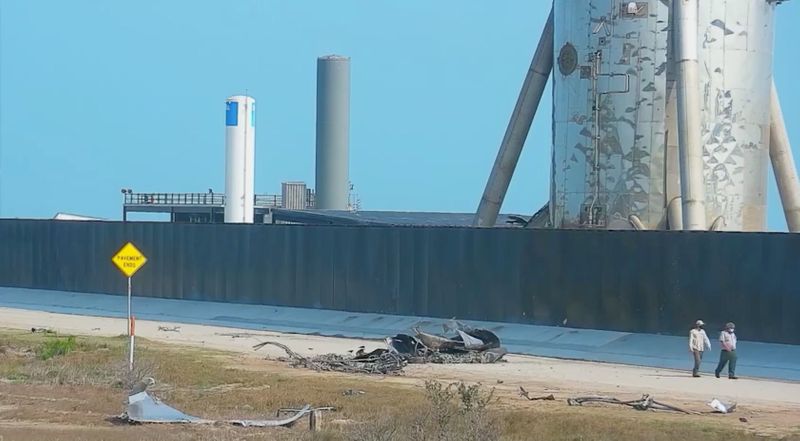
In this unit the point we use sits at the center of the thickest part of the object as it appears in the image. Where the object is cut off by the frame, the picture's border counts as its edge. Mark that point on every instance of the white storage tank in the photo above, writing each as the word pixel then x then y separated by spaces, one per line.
pixel 240 136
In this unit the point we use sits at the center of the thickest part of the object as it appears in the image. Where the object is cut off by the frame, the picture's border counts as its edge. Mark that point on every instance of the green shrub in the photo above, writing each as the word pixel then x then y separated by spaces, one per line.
pixel 56 347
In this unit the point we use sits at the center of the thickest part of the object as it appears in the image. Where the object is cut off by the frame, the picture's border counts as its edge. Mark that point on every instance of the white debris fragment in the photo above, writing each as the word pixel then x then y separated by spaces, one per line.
pixel 721 407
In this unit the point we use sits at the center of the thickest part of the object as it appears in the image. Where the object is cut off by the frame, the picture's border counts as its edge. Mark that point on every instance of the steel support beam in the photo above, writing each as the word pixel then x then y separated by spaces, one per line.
pixel 780 153
pixel 517 130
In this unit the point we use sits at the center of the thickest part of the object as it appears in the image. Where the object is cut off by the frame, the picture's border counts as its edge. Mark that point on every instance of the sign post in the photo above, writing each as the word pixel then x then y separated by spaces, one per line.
pixel 128 260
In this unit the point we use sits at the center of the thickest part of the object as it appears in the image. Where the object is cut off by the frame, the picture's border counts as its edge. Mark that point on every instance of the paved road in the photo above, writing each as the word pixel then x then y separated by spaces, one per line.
pixel 763 360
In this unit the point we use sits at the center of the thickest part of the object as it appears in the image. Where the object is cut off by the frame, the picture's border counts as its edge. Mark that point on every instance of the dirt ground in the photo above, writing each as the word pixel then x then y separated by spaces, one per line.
pixel 769 408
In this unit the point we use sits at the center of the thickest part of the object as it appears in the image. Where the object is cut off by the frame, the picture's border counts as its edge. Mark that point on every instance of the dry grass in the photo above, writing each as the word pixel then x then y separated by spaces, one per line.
pixel 454 412
pixel 75 394
pixel 607 424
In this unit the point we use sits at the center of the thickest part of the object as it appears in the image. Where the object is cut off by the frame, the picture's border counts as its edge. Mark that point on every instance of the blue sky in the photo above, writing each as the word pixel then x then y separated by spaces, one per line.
pixel 99 95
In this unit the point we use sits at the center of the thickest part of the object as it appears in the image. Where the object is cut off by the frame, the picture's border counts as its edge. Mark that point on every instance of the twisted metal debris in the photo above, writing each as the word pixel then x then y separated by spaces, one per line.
pixel 145 408
pixel 384 364
pixel 470 346
pixel 524 393
pixel 486 357
pixel 645 403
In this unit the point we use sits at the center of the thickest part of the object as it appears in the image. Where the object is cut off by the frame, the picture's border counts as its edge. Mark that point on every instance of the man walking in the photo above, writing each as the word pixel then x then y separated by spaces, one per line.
pixel 698 342
pixel 727 339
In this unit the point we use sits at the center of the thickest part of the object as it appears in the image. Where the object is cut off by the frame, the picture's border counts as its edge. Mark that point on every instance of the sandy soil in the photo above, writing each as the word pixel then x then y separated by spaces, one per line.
pixel 774 405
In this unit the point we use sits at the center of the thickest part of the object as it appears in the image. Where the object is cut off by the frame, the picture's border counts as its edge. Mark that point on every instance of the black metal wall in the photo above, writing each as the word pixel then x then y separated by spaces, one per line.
pixel 628 281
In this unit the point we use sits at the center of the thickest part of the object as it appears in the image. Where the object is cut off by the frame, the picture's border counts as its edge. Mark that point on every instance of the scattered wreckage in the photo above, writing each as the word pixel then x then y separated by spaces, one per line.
pixel 468 345
pixel 524 394
pixel 382 363
pixel 647 402
pixel 144 408
pixel 720 407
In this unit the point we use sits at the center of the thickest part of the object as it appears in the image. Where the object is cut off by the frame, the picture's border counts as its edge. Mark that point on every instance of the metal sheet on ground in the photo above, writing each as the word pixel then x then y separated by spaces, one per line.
pixel 144 408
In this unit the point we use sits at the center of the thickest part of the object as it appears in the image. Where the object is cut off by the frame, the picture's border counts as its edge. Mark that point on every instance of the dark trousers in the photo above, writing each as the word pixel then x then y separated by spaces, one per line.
pixel 729 358
pixel 698 358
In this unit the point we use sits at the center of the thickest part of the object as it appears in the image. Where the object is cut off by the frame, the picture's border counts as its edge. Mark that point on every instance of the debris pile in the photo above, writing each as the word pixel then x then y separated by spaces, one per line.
pixel 42 331
pixel 468 345
pixel 375 362
pixel 169 328
pixel 523 393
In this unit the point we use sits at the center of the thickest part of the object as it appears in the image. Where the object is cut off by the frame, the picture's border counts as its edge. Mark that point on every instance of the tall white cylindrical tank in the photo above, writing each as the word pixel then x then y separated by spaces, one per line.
pixel 736 38
pixel 333 133
pixel 240 136
pixel 608 116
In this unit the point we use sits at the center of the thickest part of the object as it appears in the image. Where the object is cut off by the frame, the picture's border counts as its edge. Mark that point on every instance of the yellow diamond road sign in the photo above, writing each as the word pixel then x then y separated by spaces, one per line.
pixel 129 259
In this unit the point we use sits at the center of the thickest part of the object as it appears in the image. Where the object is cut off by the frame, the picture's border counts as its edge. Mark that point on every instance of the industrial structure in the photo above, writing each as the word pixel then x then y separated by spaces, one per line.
pixel 665 116
pixel 240 204
pixel 332 202
pixel 333 133
pixel 240 153
pixel 630 281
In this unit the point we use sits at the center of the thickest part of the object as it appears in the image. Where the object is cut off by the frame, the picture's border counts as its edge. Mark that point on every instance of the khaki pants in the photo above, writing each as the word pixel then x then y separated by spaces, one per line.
pixel 698 358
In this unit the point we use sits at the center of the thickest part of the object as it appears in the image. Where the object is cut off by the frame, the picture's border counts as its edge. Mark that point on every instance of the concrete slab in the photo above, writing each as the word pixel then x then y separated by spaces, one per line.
pixel 766 360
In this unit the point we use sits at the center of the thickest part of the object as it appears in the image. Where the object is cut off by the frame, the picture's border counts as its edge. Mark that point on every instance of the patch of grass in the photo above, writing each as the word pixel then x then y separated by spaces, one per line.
pixel 56 347
pixel 44 359
pixel 597 424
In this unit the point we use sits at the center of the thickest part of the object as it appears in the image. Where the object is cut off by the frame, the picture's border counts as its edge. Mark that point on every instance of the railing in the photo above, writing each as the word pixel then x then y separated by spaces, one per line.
pixel 174 199
pixel 269 201
pixel 216 199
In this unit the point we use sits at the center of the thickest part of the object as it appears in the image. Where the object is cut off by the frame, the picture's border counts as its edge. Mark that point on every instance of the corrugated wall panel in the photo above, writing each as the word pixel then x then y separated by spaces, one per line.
pixel 658 282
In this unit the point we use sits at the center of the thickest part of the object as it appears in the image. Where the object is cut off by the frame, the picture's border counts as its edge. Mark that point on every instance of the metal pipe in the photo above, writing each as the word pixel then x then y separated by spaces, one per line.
pixel 596 138
pixel 780 153
pixel 517 130
pixel 675 214
pixel 690 145
pixel 636 223
pixel 597 62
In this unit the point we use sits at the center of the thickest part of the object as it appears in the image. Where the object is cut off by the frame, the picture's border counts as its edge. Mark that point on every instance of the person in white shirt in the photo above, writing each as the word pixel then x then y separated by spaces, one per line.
pixel 698 342
pixel 727 339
